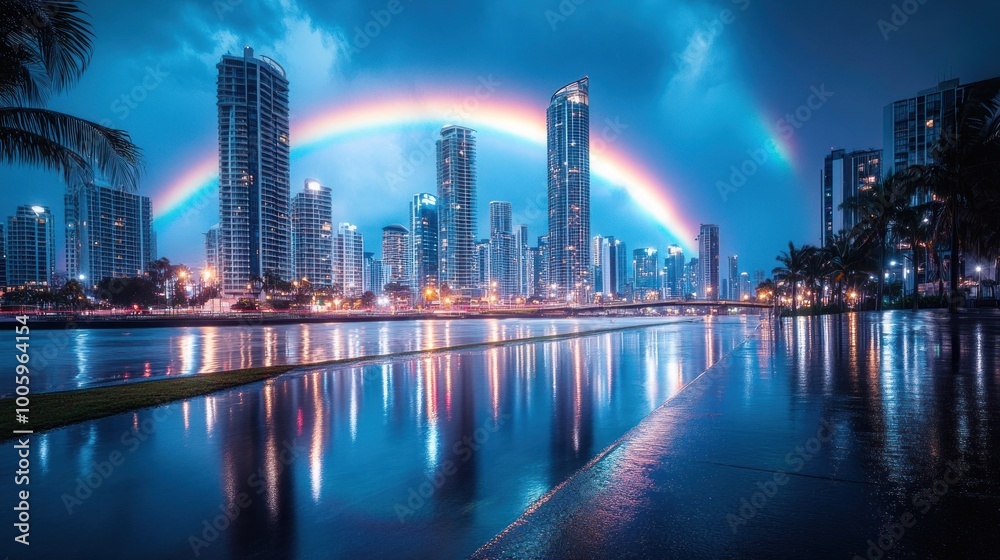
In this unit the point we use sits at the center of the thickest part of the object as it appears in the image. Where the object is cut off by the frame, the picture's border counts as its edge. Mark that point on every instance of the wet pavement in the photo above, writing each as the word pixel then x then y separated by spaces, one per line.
pixel 861 436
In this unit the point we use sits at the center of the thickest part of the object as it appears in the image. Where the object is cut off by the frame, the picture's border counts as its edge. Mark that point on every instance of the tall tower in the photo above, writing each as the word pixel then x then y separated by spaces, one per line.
pixel 253 170
pixel 708 262
pixel 568 139
pixel 31 247
pixel 396 257
pixel 348 260
pixel 503 263
pixel 312 235
pixel 734 278
pixel 456 180
pixel 424 239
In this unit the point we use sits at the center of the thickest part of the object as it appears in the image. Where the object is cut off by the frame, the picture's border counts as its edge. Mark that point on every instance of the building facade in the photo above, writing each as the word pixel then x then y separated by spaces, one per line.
pixel 109 233
pixel 503 262
pixel 254 185
pixel 396 257
pixel 348 260
pixel 424 240
pixel 846 175
pixel 568 142
pixel 733 294
pixel 213 255
pixel 312 235
pixel 674 268
pixel 708 262
pixel 456 181
pixel 31 247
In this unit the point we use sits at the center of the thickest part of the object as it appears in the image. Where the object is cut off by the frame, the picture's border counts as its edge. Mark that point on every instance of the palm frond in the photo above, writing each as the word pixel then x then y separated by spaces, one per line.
pixel 98 148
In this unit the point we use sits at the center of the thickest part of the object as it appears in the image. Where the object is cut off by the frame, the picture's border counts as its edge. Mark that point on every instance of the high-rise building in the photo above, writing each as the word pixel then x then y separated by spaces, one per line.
pixel 596 257
pixel 733 293
pixel 758 278
pixel 503 265
pixel 675 272
pixel 646 271
pixel 31 247
pixel 424 239
pixel 542 269
pixel 3 259
pixel 845 176
pixel 312 235
pixel 109 233
pixel 481 270
pixel 912 126
pixel 525 262
pixel 213 254
pixel 375 273
pixel 568 140
pixel 708 259
pixel 612 265
pixel 348 260
pixel 396 257
pixel 692 283
pixel 254 182
pixel 456 181
pixel 746 291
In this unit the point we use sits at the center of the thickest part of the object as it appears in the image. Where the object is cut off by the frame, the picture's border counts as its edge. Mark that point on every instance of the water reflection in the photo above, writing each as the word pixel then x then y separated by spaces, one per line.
pixel 86 358
pixel 420 456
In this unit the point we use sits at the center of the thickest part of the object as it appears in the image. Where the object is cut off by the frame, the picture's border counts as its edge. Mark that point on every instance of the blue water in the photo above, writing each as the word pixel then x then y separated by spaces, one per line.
pixel 424 456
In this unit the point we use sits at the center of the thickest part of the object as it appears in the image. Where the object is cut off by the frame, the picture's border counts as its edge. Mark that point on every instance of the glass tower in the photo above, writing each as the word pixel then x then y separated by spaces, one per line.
pixel 708 262
pixel 424 238
pixel 31 247
pixel 845 176
pixel 254 183
pixel 312 235
pixel 456 181
pixel 568 140
pixel 348 260
pixel 396 258
pixel 503 263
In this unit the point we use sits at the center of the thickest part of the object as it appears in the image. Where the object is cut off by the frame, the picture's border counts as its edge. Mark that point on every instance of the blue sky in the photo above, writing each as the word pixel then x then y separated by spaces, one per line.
pixel 700 86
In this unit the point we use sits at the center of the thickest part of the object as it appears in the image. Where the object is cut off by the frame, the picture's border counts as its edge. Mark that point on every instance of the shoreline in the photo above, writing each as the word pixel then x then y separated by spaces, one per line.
pixel 63 408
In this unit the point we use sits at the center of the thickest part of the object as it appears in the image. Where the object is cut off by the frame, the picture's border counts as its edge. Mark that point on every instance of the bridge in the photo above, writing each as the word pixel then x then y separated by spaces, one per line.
pixel 631 305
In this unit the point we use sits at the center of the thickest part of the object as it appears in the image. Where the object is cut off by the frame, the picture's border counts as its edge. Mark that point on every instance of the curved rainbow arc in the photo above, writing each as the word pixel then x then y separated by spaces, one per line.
pixel 517 120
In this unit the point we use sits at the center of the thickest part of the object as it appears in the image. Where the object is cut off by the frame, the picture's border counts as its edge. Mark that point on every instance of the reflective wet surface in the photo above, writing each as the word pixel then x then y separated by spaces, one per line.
pixel 424 456
pixel 78 358
pixel 864 436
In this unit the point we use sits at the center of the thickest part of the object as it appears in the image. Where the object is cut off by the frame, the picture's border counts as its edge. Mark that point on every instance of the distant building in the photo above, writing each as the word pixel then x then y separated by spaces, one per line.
pixel 692 283
pixel 525 263
pixel 674 266
pixel 213 254
pixel 109 233
pixel 542 268
pixel 746 290
pixel 424 239
pixel 456 182
pixel 31 248
pixel 396 256
pixel 845 176
pixel 3 259
pixel 646 272
pixel 481 270
pixel 733 293
pixel 568 141
pixel 375 274
pixel 708 259
pixel 254 185
pixel 312 235
pixel 348 260
pixel 503 271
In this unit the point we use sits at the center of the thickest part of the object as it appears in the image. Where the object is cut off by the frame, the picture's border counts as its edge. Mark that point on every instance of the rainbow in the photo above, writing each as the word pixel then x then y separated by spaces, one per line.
pixel 518 120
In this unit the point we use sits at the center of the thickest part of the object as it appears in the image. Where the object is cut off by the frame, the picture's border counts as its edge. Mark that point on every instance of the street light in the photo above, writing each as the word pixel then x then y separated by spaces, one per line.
pixel 979 285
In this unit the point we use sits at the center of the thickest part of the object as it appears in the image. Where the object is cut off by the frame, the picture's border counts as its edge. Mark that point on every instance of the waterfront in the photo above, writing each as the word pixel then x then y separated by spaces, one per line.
pixel 76 359
pixel 325 462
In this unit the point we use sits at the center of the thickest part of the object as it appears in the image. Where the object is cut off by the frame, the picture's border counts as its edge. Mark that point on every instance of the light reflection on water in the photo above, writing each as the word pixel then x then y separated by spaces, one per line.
pixel 330 459
pixel 73 359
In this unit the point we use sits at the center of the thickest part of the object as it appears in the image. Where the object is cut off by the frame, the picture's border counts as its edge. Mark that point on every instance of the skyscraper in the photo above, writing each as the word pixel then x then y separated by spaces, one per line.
pixel 109 233
pixel 213 262
pixel 734 279
pixel 525 263
pixel 646 271
pixel 692 283
pixel 845 176
pixel 611 267
pixel 541 255
pixel 348 260
pixel 503 252
pixel 253 169
pixel 3 258
pixel 396 257
pixel 675 272
pixel 708 262
pixel 31 247
pixel 568 140
pixel 424 238
pixel 312 235
pixel 456 181
pixel 375 274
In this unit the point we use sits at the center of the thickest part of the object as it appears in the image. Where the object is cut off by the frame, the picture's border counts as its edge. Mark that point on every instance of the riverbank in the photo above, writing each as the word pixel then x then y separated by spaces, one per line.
pixel 835 437
pixel 62 408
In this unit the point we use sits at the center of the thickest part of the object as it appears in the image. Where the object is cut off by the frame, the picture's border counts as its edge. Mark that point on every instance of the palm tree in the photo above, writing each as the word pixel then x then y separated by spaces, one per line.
pixel 847 261
pixel 963 178
pixel 46 47
pixel 793 267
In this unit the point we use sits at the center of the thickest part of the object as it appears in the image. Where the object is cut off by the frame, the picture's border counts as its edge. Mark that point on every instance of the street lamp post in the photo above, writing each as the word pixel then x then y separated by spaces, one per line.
pixel 979 285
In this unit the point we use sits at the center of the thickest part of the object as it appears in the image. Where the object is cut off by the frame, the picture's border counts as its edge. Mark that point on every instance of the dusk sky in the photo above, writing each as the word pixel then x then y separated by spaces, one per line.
pixel 679 91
